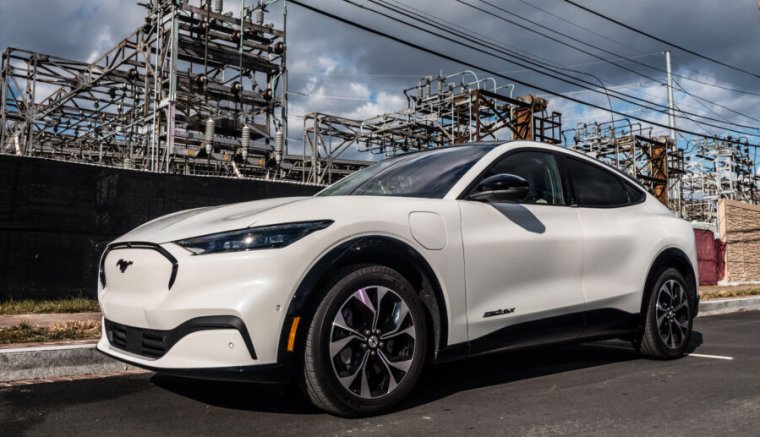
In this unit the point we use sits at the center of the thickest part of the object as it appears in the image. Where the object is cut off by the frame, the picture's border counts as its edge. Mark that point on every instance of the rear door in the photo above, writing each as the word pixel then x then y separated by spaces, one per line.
pixel 621 237
pixel 523 261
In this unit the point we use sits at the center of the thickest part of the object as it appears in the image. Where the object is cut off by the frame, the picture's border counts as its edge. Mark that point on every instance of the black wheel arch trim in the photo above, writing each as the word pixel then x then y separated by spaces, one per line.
pixel 356 251
pixel 672 256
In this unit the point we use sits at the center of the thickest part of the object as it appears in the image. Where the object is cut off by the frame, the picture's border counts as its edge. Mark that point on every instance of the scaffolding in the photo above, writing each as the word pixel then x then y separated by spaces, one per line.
pixel 452 113
pixel 193 90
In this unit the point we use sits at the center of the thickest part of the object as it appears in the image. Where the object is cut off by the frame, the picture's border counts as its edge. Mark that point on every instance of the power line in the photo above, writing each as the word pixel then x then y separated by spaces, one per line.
pixel 604 37
pixel 658 39
pixel 486 70
pixel 700 100
pixel 564 35
pixel 621 96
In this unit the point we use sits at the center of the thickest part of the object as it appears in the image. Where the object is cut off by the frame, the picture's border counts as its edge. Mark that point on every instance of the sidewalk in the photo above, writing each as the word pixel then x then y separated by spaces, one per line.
pixel 49 361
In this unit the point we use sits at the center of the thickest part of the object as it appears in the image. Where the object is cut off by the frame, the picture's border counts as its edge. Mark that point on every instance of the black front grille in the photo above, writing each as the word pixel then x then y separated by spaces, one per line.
pixel 146 342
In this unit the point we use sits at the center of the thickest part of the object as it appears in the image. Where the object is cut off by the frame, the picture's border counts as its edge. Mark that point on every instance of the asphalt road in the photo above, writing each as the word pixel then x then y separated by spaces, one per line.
pixel 594 389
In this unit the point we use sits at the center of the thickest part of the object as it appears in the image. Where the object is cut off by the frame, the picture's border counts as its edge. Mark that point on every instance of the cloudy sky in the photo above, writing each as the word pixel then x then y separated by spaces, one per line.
pixel 344 71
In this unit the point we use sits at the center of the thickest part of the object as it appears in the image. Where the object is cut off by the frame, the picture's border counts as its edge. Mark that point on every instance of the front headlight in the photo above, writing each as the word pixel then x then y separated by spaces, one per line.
pixel 262 237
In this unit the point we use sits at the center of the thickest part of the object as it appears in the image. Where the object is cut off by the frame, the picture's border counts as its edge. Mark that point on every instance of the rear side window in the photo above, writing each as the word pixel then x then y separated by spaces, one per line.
pixel 596 187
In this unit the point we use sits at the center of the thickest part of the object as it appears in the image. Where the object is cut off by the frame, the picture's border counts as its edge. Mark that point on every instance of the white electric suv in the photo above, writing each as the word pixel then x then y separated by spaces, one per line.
pixel 423 257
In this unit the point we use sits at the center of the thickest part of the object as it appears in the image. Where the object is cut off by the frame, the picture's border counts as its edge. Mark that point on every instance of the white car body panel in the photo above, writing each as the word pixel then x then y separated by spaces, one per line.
pixel 620 246
pixel 526 257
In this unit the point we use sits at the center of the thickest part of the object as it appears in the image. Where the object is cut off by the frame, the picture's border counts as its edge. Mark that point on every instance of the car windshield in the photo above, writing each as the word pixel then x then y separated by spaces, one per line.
pixel 429 174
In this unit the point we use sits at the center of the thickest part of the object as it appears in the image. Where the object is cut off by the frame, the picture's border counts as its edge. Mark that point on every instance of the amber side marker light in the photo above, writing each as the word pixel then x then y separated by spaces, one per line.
pixel 292 335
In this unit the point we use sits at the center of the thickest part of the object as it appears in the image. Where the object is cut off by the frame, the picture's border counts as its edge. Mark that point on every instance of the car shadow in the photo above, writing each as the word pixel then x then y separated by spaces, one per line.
pixel 437 381
pixel 521 216
pixel 238 395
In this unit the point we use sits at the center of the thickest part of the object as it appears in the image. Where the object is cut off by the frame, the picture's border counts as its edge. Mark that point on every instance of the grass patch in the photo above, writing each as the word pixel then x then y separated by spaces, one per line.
pixel 29 306
pixel 24 333
pixel 721 292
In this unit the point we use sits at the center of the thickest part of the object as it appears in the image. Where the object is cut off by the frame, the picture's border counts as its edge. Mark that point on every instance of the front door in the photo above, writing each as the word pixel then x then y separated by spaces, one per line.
pixel 523 260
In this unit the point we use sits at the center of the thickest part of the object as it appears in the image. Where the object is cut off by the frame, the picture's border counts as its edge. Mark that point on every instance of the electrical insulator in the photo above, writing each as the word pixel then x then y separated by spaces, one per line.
pixel 209 133
pixel 200 80
pixel 278 146
pixel 245 140
pixel 218 6
pixel 260 15
pixel 209 149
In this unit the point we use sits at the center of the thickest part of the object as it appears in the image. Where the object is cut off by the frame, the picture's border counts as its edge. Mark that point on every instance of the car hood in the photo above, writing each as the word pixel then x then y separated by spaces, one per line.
pixel 204 221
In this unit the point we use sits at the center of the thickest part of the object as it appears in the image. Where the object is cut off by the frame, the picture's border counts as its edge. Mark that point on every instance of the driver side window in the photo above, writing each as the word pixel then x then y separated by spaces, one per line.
pixel 539 169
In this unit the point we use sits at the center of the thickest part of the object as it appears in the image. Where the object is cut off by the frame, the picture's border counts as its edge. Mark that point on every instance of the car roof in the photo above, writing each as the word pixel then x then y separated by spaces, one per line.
pixel 502 147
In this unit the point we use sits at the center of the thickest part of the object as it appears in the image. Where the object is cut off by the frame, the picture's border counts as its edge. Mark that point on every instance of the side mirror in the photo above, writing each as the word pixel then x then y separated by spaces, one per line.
pixel 501 187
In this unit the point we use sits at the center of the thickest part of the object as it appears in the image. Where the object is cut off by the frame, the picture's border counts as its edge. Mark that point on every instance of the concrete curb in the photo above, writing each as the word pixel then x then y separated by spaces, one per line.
pixel 50 361
pixel 728 305
pixel 55 360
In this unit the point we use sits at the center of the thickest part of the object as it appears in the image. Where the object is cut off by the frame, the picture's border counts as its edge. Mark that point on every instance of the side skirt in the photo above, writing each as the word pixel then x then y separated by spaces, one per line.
pixel 579 327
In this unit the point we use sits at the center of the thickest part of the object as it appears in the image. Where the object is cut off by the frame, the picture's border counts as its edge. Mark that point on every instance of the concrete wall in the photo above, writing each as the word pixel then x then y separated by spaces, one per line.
pixel 57 217
pixel 740 231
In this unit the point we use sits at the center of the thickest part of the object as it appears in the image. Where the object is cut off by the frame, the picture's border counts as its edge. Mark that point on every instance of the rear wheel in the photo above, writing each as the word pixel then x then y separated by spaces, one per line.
pixel 669 318
pixel 366 343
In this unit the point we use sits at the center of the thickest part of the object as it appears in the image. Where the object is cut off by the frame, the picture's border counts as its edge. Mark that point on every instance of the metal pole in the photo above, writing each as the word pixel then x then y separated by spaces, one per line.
pixel 3 97
pixel 284 73
pixel 154 133
pixel 172 88
pixel 671 112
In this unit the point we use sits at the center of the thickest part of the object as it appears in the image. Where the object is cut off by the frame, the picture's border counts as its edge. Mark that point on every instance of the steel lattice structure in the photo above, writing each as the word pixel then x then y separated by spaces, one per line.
pixel 717 168
pixel 454 113
pixel 193 90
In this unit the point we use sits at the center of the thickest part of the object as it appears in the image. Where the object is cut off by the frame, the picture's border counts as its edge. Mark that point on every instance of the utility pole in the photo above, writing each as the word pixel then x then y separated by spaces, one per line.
pixel 674 193
pixel 671 111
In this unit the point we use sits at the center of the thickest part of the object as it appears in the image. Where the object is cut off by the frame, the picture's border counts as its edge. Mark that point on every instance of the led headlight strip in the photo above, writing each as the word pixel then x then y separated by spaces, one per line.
pixel 262 237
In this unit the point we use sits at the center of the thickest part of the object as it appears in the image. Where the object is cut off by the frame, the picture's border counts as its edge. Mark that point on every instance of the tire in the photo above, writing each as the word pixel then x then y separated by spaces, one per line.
pixel 352 368
pixel 669 318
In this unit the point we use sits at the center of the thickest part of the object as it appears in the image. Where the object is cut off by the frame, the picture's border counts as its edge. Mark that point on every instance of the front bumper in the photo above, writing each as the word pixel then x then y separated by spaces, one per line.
pixel 218 300
pixel 214 348
pixel 154 343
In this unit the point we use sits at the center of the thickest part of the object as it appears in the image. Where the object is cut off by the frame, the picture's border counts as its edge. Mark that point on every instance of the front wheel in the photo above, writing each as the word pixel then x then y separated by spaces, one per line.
pixel 669 318
pixel 366 343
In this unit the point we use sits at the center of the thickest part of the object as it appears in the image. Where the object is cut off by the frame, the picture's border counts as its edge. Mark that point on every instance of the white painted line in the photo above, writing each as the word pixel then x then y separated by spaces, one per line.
pixel 47 348
pixel 630 349
pixel 716 357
